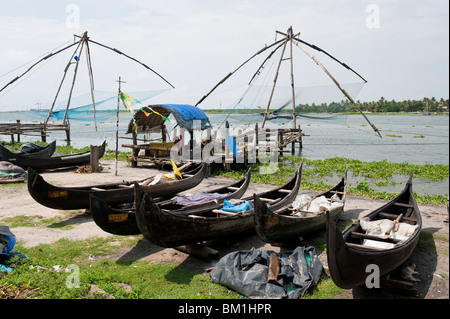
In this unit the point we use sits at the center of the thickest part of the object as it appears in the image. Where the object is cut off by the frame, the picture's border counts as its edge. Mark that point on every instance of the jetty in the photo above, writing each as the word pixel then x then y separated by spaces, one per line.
pixel 33 129
pixel 241 147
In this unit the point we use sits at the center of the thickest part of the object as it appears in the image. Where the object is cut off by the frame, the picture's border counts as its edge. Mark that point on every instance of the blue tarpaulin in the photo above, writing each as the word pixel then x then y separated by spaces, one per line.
pixel 231 144
pixel 184 114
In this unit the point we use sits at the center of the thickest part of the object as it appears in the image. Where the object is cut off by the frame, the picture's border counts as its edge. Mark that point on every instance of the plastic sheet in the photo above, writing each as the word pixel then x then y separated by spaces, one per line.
pixel 8 240
pixel 246 272
pixel 198 198
pixel 9 170
pixel 30 148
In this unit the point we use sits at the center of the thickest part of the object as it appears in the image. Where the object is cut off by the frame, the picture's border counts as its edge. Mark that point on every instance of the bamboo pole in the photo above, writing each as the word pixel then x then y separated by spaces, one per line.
pixel 43 59
pixel 231 73
pixel 117 122
pixel 91 79
pixel 274 83
pixel 144 65
pixel 329 55
pixel 292 83
pixel 65 120
pixel 339 86
pixel 264 62
pixel 61 83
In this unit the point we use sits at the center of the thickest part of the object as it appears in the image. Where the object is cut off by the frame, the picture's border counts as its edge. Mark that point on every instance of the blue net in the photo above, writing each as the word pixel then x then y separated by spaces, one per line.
pixel 82 108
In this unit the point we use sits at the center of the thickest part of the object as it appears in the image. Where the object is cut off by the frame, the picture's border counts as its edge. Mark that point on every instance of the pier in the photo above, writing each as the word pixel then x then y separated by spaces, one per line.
pixel 247 146
pixel 32 129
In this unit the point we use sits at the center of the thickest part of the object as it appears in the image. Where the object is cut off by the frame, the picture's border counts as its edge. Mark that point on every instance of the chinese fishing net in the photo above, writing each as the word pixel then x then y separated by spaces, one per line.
pixel 281 81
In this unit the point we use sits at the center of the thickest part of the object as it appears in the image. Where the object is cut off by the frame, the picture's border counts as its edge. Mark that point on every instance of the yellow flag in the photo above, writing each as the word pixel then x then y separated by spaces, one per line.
pixel 175 170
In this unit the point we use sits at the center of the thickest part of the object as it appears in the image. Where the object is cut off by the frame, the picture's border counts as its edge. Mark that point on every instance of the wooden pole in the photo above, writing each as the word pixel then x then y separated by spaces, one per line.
pixel 91 78
pixel 339 86
pixel 292 79
pixel 117 123
pixel 18 130
pixel 274 268
pixel 61 83
pixel 274 84
pixel 94 159
pixel 43 59
pixel 231 73
pixel 66 120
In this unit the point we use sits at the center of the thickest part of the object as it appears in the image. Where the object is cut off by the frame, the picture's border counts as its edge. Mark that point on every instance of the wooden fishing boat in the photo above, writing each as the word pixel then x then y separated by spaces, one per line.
pixel 172 228
pixel 121 219
pixel 50 162
pixel 288 224
pixel 45 152
pixel 77 197
pixel 350 252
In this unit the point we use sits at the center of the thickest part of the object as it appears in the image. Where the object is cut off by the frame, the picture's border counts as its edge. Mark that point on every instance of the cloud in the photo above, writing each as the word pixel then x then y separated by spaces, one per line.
pixel 195 44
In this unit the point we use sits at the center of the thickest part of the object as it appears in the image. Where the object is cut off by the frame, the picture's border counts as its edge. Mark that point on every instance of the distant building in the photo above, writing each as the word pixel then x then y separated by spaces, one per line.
pixel 443 108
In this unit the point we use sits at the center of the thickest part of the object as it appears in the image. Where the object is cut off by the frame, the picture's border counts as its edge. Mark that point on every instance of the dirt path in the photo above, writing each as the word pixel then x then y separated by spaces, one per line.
pixel 432 261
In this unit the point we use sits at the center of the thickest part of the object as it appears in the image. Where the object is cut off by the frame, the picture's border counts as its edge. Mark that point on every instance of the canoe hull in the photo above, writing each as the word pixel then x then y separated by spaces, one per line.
pixel 348 259
pixel 279 226
pixel 112 220
pixel 172 229
pixel 50 162
pixel 67 198
pixel 123 221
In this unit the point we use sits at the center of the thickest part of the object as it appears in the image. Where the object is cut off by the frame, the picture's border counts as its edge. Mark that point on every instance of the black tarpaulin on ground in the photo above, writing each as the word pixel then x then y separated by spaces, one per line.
pixel 246 272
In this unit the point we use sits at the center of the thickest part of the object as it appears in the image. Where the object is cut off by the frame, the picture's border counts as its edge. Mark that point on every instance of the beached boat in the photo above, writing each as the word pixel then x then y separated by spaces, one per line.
pixel 50 162
pixel 385 238
pixel 168 228
pixel 77 197
pixel 121 219
pixel 44 152
pixel 295 220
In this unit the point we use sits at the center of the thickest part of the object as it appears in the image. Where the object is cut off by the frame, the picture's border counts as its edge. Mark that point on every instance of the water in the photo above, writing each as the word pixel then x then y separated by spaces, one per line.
pixel 414 139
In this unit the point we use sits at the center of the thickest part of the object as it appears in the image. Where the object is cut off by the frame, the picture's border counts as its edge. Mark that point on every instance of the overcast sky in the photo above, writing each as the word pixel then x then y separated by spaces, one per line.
pixel 400 47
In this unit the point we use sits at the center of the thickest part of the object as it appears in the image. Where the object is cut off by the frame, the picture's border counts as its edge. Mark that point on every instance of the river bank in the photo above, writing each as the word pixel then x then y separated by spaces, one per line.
pixel 26 219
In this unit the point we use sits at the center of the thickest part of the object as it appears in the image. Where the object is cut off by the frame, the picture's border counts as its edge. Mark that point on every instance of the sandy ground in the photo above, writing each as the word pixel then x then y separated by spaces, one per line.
pixel 432 263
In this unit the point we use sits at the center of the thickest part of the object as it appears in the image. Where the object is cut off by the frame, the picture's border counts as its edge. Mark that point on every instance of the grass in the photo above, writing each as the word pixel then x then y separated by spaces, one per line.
pixel 379 173
pixel 40 221
pixel 146 279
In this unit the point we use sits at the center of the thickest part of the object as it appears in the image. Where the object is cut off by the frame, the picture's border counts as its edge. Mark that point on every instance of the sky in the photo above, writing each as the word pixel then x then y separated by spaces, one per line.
pixel 400 47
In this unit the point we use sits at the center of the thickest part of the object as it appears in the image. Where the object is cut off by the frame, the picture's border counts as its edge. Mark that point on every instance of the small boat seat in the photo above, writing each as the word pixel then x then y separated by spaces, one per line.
pixel 371 237
pixel 408 220
pixel 98 189
pixel 268 200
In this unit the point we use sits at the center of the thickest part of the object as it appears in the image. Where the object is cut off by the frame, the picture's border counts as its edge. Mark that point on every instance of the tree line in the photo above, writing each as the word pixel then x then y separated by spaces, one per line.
pixel 431 105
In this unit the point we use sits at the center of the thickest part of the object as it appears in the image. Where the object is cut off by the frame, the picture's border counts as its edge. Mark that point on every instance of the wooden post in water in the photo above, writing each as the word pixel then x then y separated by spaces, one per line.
pixel 18 130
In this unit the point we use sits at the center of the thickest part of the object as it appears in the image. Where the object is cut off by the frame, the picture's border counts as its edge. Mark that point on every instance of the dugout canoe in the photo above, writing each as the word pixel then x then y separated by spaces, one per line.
pixel 168 228
pixel 77 197
pixel 50 162
pixel 288 224
pixel 121 219
pixel 351 252
pixel 44 152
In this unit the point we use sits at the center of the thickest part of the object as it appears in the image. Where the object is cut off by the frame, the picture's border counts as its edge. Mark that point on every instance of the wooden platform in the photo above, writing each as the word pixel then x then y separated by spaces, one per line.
pixel 248 145
pixel 39 129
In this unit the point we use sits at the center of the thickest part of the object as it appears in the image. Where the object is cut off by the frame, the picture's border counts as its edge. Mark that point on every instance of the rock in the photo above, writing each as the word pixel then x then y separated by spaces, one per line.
pixel 96 292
